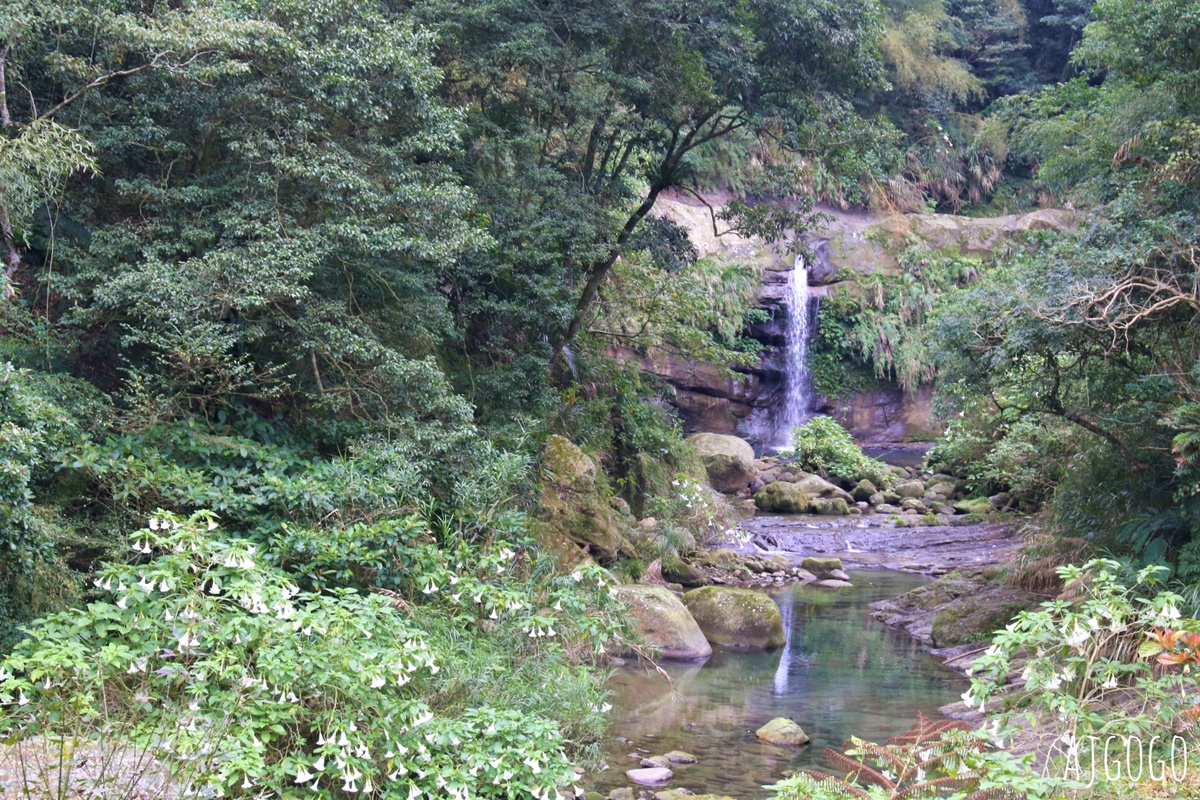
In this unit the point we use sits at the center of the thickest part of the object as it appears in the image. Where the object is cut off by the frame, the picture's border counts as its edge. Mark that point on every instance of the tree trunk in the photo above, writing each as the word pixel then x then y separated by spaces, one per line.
pixel 9 253
pixel 599 270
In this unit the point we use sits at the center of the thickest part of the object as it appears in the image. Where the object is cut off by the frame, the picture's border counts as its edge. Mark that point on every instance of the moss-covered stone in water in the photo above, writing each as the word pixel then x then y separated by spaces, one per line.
pixel 782 731
pixel 664 622
pixel 821 567
pixel 864 491
pixel 736 617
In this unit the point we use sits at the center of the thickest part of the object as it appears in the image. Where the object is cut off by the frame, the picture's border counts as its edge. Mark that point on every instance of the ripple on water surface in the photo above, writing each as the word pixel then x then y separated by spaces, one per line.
pixel 841 674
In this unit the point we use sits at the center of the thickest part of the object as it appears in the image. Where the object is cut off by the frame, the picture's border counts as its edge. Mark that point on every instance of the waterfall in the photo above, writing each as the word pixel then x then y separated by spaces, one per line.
pixel 797 384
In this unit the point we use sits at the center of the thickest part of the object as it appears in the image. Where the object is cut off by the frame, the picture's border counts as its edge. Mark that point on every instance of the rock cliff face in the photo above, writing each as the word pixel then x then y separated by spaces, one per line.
pixel 855 244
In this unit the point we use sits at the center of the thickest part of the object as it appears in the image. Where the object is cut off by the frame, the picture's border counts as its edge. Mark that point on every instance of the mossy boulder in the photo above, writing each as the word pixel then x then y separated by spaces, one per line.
pixel 736 617
pixel 664 622
pixel 722 558
pixel 678 571
pixel 864 490
pixel 944 489
pixel 974 617
pixel 575 505
pixel 728 460
pixel 782 497
pixel 821 567
pixel 913 504
pixel 782 731
pixel 910 489
pixel 816 486
pixel 832 506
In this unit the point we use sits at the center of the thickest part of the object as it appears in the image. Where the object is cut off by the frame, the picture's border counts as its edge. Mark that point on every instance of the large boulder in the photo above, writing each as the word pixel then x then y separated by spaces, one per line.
pixel 910 489
pixel 736 617
pixel 728 460
pixel 783 497
pixel 782 731
pixel 816 486
pixel 573 505
pixel 664 622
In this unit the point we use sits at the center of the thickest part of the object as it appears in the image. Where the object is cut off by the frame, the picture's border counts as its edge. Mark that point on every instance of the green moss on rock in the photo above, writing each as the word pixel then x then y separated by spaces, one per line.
pixel 782 497
pixel 736 617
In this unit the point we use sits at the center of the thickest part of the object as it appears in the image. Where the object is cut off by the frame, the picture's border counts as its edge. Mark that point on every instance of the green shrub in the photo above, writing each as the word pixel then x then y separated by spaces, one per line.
pixel 204 641
pixel 822 445
pixel 1083 673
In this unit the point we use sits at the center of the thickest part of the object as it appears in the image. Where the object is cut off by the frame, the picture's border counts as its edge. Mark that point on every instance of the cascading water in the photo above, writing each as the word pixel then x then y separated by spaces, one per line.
pixel 797 385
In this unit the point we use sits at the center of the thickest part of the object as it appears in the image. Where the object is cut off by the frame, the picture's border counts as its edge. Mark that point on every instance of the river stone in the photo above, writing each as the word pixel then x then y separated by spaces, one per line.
pixel 821 567
pixel 782 497
pixel 728 460
pixel 722 557
pixel 833 583
pixel 816 486
pixel 831 506
pixel 649 776
pixel 683 573
pixel 779 562
pixel 910 489
pixel 624 793
pixel 838 575
pixel 782 731
pixel 864 490
pixel 876 499
pixel 656 761
pixel 680 757
pixel 913 504
pixel 736 617
pixel 663 621
pixel 945 489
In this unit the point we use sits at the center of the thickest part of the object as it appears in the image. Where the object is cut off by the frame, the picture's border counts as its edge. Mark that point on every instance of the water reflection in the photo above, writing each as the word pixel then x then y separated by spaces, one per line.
pixel 838 674
pixel 787 602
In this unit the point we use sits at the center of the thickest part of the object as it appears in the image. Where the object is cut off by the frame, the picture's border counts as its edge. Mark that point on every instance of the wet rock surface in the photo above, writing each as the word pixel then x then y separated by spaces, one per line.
pixel 876 542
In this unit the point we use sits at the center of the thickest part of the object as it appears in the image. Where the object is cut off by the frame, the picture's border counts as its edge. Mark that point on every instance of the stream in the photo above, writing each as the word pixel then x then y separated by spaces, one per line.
pixel 840 674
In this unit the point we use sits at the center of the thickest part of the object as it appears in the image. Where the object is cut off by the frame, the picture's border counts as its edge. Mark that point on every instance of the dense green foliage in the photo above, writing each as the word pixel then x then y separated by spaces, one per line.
pixel 1090 342
pixel 823 446
pixel 327 275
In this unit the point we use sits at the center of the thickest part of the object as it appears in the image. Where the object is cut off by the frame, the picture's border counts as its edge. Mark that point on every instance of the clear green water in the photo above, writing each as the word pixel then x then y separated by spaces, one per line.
pixel 842 673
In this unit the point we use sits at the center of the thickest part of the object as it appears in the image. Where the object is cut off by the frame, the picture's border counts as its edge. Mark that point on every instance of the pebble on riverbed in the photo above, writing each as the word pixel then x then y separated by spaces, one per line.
pixel 650 776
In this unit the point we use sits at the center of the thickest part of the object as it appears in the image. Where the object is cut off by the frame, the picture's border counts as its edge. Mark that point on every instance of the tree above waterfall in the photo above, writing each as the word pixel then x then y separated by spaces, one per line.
pixel 581 114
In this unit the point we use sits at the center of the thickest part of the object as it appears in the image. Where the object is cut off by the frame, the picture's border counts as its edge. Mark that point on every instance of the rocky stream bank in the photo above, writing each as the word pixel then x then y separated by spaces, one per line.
pixel 717 599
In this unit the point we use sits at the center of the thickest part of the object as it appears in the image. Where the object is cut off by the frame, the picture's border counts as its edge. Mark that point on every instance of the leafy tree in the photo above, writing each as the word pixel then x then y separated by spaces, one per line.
pixel 582 114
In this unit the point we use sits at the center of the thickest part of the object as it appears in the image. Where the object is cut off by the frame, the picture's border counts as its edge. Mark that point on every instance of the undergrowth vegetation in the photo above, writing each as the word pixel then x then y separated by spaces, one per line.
pixel 823 446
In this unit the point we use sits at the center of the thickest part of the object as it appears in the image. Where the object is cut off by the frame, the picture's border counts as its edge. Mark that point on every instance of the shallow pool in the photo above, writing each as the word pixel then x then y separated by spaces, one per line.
pixel 841 674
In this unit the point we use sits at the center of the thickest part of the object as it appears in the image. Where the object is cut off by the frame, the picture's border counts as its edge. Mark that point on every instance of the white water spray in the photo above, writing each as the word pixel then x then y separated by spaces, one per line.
pixel 797 386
